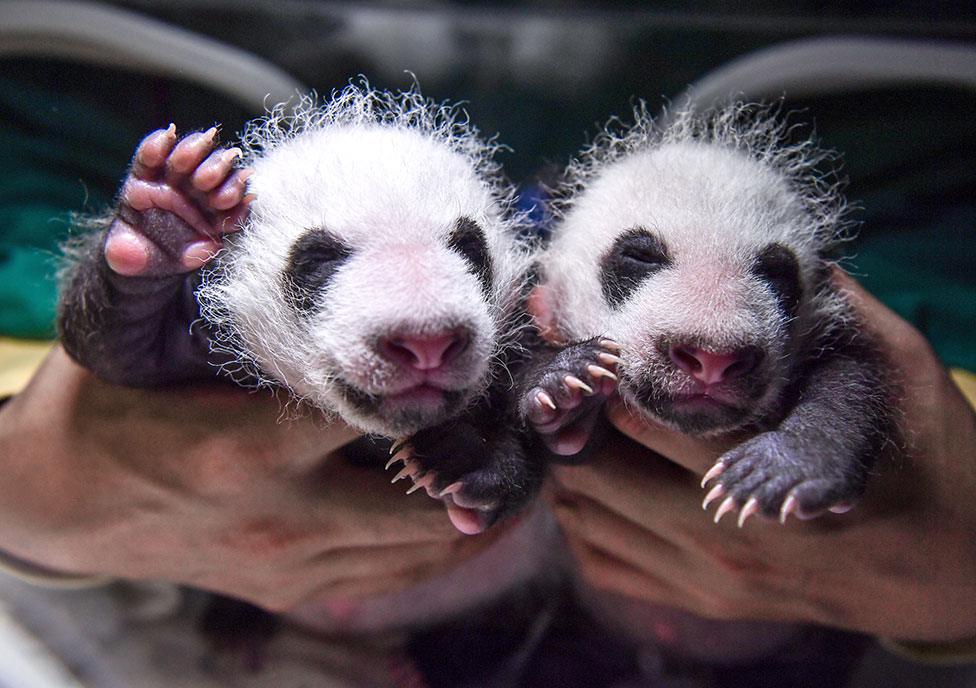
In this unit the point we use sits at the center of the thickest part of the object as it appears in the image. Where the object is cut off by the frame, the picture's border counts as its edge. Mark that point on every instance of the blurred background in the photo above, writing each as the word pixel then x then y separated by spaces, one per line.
pixel 887 84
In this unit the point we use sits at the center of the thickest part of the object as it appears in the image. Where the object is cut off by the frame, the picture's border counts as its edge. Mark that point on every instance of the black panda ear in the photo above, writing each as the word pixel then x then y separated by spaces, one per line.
pixel 778 267
pixel 468 239
pixel 312 263
pixel 636 255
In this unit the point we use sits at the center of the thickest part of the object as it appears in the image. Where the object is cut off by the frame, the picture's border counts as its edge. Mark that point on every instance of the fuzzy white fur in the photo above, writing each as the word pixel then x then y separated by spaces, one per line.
pixel 717 188
pixel 389 175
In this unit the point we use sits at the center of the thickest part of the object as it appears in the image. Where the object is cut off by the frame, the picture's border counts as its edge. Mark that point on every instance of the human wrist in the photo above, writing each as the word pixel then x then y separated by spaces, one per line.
pixel 32 572
pixel 42 576
pixel 948 652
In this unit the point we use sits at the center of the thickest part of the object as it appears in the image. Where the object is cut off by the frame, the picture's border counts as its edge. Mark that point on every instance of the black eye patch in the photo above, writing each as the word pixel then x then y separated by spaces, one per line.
pixel 635 255
pixel 469 240
pixel 778 267
pixel 312 263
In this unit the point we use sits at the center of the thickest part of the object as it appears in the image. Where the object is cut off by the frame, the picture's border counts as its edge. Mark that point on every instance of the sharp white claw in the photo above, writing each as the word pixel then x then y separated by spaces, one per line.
pixel 546 400
pixel 750 509
pixel 610 344
pixel 413 488
pixel 575 382
pixel 397 445
pixel 451 489
pixel 609 359
pixel 714 494
pixel 392 461
pixel 404 472
pixel 597 371
pixel 789 507
pixel 724 508
pixel 713 473
pixel 841 508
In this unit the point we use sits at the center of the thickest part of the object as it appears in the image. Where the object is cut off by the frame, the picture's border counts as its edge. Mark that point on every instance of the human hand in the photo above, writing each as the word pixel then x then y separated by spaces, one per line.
pixel 902 564
pixel 208 487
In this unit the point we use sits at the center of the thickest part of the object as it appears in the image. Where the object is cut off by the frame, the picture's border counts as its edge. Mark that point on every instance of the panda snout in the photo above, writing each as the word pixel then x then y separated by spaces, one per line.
pixel 712 367
pixel 424 352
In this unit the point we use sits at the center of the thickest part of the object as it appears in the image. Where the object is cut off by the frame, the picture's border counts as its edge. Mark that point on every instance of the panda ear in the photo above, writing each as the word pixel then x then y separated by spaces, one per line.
pixel 540 306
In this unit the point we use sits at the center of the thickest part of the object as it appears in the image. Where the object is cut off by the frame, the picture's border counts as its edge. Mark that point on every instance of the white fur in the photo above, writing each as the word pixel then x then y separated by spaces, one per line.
pixel 717 187
pixel 389 175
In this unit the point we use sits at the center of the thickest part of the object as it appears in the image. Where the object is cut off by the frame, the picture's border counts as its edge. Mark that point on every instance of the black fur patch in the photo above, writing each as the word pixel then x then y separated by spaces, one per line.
pixel 779 268
pixel 312 263
pixel 469 240
pixel 635 255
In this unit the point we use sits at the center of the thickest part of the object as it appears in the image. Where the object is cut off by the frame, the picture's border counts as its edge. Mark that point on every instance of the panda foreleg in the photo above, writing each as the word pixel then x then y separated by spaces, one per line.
pixel 563 390
pixel 480 465
pixel 820 455
pixel 127 310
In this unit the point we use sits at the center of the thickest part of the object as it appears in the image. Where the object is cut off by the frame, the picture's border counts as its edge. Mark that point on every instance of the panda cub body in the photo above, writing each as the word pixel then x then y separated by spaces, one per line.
pixel 377 275
pixel 703 246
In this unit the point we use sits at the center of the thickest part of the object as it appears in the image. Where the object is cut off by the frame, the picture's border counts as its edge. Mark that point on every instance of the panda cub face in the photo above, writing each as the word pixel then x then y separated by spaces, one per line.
pixel 700 261
pixel 374 276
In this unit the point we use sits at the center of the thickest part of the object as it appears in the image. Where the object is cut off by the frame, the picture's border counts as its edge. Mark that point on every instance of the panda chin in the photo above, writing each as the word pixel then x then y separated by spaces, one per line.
pixel 695 414
pixel 703 417
pixel 418 407
pixel 404 412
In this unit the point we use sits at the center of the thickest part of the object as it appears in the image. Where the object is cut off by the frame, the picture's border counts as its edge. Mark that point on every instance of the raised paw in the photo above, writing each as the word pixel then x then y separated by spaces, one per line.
pixel 775 475
pixel 178 200
pixel 561 401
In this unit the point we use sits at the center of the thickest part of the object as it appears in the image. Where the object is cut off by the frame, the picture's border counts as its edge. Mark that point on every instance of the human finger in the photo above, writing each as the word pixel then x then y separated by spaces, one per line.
pixel 694 454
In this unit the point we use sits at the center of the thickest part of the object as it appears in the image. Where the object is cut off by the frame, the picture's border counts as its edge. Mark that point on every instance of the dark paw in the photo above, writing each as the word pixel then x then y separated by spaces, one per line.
pixel 477 485
pixel 561 405
pixel 178 201
pixel 775 474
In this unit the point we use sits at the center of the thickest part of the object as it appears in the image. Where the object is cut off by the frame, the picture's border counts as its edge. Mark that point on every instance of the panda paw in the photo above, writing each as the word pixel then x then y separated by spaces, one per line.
pixel 774 475
pixel 178 200
pixel 562 404
pixel 476 493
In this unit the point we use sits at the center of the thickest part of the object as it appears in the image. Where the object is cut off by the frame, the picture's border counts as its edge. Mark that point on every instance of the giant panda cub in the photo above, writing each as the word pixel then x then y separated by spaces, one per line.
pixel 703 246
pixel 361 254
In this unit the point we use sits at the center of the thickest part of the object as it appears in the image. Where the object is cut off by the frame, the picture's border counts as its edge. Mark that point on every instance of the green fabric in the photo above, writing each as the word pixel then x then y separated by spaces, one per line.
pixel 930 284
pixel 67 133
pixel 909 156
pixel 57 156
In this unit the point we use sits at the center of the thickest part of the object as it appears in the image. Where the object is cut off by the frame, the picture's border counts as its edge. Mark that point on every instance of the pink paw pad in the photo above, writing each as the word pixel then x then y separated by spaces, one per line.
pixel 180 198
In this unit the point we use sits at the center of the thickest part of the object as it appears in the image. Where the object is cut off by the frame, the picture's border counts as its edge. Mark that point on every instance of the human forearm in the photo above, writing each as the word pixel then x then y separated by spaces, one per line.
pixel 205 486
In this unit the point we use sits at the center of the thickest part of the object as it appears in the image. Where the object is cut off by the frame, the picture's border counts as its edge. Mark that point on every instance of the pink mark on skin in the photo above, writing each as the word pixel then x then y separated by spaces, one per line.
pixel 341 609
pixel 666 633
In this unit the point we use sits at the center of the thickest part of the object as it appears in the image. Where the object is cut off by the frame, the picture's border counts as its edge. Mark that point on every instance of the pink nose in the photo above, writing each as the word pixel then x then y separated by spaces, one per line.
pixel 710 367
pixel 424 352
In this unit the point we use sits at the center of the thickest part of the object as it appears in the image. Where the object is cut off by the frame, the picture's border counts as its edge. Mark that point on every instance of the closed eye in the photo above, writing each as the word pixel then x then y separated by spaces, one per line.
pixel 312 263
pixel 468 239
pixel 778 267
pixel 635 255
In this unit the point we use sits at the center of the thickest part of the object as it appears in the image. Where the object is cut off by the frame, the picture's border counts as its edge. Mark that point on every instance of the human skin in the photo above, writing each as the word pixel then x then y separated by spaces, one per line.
pixel 902 564
pixel 207 486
